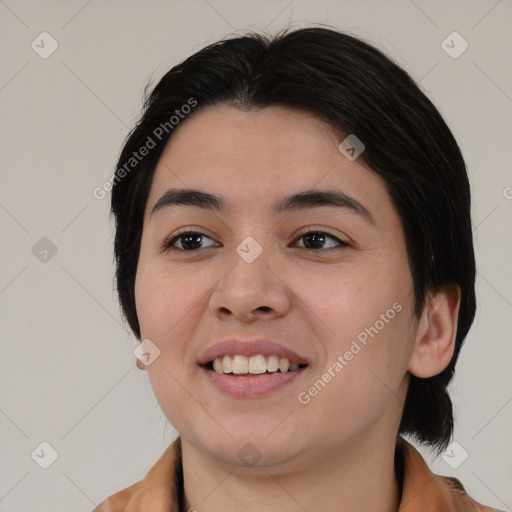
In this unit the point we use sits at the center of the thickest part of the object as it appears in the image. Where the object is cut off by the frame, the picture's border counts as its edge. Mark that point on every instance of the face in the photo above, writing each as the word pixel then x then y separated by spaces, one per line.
pixel 327 281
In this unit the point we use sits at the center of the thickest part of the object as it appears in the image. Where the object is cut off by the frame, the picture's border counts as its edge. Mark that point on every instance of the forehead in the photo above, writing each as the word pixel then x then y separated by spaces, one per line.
pixel 272 134
pixel 253 157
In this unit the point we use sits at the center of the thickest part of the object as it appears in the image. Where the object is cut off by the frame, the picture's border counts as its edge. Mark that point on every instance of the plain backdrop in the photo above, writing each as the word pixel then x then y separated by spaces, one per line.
pixel 68 376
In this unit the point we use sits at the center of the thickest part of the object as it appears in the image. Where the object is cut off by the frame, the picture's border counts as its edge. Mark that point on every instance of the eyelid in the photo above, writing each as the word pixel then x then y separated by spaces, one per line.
pixel 341 244
pixel 325 231
pixel 167 244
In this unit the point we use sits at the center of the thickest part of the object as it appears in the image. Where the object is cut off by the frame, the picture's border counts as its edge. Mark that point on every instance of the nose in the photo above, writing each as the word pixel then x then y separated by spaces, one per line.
pixel 250 291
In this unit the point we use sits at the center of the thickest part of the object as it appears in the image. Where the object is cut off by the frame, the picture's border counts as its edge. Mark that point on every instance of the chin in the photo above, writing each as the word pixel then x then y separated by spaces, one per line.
pixel 250 448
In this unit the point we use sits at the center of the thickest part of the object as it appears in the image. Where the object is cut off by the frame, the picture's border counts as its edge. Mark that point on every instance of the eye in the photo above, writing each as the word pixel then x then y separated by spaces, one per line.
pixel 189 241
pixel 315 239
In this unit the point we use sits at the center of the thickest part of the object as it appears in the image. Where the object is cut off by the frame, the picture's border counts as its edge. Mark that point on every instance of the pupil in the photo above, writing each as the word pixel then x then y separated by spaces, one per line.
pixel 195 237
pixel 318 237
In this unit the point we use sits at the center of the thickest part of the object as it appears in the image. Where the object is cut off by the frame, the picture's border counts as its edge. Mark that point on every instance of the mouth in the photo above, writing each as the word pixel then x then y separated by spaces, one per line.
pixel 253 377
pixel 251 368
pixel 260 364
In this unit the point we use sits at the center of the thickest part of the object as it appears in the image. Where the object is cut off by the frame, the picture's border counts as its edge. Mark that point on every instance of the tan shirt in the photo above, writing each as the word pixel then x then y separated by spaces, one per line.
pixel 422 491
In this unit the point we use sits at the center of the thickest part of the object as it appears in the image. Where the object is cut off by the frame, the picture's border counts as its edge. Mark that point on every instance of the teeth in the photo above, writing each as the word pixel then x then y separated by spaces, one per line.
pixel 226 367
pixel 257 364
pixel 272 364
pixel 217 365
pixel 238 364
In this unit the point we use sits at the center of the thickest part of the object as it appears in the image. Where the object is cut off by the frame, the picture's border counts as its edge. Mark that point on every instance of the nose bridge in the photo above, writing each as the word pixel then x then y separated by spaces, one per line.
pixel 252 241
pixel 250 265
pixel 250 283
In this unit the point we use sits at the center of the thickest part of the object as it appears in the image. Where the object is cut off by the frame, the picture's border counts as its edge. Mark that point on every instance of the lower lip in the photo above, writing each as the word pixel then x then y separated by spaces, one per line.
pixel 247 387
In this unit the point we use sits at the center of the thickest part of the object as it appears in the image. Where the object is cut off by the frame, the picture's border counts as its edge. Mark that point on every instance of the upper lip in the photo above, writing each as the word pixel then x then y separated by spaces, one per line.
pixel 250 348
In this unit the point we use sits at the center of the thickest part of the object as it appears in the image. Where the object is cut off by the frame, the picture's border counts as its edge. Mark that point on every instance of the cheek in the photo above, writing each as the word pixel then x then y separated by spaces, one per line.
pixel 361 378
pixel 363 315
pixel 163 302
pixel 168 311
pixel 165 308
pixel 348 300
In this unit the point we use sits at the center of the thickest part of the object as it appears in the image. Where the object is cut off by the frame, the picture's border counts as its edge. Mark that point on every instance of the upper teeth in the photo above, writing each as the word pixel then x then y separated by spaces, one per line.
pixel 256 364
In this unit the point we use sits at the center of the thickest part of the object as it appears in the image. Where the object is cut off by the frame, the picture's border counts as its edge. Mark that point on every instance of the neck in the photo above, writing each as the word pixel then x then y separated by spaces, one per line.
pixel 359 476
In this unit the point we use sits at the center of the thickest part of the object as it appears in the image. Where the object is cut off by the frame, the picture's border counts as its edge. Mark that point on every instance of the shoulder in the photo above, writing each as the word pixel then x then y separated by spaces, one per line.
pixel 423 490
pixel 121 500
pixel 460 497
pixel 158 490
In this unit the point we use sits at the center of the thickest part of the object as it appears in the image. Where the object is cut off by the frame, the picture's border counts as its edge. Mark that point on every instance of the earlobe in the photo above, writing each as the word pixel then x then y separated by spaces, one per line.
pixel 437 329
pixel 140 365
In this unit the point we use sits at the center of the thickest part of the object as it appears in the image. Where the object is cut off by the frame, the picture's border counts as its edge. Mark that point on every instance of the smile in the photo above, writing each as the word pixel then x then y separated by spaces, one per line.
pixel 255 365
pixel 251 368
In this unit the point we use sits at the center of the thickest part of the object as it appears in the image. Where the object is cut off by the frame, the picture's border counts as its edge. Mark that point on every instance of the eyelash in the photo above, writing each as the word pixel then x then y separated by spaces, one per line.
pixel 168 244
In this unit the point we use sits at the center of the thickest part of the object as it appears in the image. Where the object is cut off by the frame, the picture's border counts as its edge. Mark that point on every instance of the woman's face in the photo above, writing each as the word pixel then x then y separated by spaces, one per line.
pixel 339 299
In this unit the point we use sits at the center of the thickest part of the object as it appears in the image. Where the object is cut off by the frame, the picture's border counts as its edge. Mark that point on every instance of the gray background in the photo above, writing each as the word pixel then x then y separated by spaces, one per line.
pixel 68 374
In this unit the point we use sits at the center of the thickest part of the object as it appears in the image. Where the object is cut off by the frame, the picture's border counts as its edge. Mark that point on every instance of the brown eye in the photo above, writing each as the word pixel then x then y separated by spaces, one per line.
pixel 189 240
pixel 316 239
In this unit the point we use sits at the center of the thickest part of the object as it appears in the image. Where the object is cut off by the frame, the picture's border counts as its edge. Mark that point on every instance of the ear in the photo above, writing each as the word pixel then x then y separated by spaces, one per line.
pixel 435 337
pixel 140 365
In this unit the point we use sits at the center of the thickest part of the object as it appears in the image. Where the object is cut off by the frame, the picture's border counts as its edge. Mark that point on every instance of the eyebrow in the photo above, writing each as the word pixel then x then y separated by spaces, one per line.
pixel 312 198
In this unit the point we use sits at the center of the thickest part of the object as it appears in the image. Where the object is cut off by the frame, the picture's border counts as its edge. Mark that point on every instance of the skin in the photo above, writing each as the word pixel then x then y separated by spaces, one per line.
pixel 328 454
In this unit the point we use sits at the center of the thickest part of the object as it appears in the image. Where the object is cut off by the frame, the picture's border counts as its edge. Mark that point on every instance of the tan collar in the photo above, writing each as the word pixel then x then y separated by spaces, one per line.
pixel 423 491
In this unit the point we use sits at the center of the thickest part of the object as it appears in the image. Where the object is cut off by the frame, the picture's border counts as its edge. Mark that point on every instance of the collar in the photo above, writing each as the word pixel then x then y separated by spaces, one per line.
pixel 161 490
